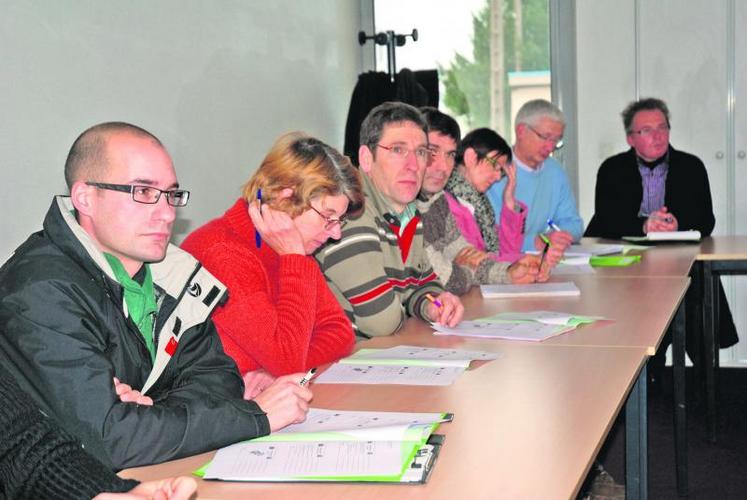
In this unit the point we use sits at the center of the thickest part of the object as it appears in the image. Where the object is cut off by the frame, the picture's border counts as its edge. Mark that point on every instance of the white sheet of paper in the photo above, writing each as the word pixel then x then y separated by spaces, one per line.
pixel 531 331
pixel 576 259
pixel 434 355
pixel 352 421
pixel 389 374
pixel 595 249
pixel 565 288
pixel 564 269
pixel 277 461
pixel 547 317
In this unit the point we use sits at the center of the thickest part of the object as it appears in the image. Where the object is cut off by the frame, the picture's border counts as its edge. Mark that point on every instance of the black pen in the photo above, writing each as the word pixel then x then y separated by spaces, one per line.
pixel 257 236
pixel 544 251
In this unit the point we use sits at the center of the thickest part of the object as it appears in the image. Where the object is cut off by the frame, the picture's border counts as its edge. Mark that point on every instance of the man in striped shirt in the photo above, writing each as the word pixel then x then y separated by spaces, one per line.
pixel 378 270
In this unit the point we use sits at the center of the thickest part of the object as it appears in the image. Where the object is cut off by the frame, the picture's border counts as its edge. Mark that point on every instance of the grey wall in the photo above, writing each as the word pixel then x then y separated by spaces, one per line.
pixel 216 81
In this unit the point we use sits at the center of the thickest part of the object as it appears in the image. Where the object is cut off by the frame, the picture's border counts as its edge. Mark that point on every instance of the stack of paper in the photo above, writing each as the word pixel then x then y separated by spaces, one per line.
pixel 566 288
pixel 403 365
pixel 531 326
pixel 336 445
pixel 662 236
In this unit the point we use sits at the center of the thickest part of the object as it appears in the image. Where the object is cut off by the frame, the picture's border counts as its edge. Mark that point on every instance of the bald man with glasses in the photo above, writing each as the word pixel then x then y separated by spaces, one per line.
pixel 541 181
pixel 106 325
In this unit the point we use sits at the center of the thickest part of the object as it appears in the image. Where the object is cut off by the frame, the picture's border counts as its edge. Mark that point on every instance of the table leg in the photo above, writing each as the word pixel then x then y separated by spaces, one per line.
pixel 636 440
pixel 694 329
pixel 680 410
pixel 709 341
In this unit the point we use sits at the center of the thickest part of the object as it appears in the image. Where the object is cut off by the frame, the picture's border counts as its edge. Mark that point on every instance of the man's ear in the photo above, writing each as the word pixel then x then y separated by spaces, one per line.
pixel 365 159
pixel 520 129
pixel 470 157
pixel 81 194
pixel 629 140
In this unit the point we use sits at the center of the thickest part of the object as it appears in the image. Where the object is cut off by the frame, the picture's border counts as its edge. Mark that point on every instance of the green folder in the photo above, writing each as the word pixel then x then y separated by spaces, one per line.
pixel 614 260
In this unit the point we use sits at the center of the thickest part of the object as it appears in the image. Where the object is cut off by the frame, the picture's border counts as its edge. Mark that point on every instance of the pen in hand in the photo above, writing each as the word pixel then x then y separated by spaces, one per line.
pixel 544 252
pixel 552 225
pixel 257 236
pixel 668 219
pixel 306 378
pixel 434 300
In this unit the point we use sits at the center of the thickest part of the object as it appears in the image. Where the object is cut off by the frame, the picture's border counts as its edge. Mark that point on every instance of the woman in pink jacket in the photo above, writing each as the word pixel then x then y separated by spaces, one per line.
pixel 482 159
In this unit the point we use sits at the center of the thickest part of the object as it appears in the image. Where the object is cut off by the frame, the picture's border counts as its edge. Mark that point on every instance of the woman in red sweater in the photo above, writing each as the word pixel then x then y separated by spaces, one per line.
pixel 281 317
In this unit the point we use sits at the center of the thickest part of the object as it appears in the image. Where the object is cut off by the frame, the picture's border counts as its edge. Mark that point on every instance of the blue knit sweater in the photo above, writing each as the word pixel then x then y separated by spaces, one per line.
pixel 548 195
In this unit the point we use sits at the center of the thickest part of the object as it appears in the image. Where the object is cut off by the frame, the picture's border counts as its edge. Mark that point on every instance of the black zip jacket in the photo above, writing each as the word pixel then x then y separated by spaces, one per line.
pixel 64 335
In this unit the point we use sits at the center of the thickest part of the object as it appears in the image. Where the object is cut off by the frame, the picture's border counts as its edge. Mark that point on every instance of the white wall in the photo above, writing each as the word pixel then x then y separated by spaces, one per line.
pixel 216 81
pixel 605 64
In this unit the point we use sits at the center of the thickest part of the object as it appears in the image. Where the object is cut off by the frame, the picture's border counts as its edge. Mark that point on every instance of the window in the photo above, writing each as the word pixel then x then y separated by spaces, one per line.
pixel 486 70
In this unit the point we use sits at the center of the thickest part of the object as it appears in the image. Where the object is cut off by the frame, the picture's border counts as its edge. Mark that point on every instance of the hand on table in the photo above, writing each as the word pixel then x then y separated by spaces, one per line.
pixel 661 220
pixel 527 270
pixel 255 382
pixel 285 401
pixel 173 488
pixel 449 313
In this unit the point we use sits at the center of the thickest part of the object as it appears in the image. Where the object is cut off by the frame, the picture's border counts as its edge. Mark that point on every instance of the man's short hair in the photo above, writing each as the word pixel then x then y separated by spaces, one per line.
pixel 88 155
pixel 441 123
pixel 483 141
pixel 645 104
pixel 389 112
pixel 536 109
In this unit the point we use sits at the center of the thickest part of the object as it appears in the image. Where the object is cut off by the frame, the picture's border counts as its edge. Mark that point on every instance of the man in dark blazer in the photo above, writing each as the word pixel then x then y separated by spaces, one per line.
pixel 654 187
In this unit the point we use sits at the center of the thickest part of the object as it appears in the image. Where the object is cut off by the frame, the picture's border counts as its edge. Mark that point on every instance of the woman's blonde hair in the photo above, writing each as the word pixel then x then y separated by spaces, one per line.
pixel 310 168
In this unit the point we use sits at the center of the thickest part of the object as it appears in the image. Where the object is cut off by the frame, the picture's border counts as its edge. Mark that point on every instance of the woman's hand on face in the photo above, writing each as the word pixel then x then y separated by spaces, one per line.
pixel 277 229
pixel 509 198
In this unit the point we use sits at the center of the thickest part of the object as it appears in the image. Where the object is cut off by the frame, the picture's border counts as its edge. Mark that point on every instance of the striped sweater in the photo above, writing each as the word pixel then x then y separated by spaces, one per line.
pixel 378 271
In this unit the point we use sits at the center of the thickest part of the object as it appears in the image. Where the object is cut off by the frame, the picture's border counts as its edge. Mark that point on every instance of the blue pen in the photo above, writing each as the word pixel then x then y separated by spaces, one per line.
pixel 552 225
pixel 257 236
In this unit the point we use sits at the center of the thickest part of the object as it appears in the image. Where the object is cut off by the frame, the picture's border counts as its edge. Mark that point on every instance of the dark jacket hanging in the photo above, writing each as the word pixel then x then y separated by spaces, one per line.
pixel 419 88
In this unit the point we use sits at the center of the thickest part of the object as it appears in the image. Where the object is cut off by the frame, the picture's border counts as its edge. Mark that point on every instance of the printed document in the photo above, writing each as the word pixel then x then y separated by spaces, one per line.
pixel 389 374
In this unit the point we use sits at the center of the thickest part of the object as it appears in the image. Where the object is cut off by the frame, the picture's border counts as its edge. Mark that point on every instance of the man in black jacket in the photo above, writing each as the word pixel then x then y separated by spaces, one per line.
pixel 99 302
pixel 654 187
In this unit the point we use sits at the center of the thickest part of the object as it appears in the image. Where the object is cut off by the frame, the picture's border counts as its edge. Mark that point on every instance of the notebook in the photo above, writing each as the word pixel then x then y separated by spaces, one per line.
pixel 663 236
pixel 562 289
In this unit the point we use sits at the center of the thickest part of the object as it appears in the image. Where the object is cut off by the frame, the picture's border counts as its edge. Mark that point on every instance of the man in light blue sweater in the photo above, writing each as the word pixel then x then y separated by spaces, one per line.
pixel 542 183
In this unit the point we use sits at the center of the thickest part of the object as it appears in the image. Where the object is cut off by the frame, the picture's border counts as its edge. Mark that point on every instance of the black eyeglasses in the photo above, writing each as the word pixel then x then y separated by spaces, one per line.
pixel 329 222
pixel 148 195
